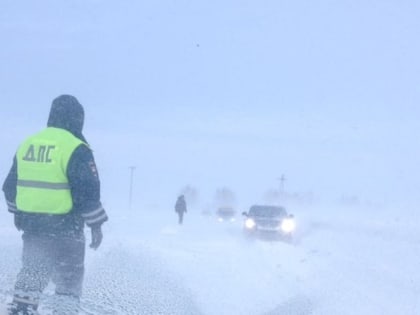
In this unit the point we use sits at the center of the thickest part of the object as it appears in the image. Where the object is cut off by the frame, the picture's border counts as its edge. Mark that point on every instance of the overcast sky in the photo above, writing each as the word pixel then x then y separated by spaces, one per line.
pixel 225 93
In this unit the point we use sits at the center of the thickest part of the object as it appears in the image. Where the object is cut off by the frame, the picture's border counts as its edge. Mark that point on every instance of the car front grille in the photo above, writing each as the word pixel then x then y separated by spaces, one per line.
pixel 267 224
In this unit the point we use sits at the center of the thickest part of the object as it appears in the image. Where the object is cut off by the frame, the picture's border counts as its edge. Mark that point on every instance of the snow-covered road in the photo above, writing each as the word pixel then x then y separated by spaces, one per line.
pixel 343 261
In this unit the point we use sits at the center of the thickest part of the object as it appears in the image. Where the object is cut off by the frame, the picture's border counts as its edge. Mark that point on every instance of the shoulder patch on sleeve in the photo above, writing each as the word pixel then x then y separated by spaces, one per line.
pixel 92 166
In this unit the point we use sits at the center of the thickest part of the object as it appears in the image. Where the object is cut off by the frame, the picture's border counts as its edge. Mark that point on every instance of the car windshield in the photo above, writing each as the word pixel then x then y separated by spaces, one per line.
pixel 225 210
pixel 267 211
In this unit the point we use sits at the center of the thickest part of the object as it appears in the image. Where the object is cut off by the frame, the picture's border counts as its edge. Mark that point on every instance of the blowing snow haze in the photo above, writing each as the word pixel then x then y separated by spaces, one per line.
pixel 224 93
pixel 218 100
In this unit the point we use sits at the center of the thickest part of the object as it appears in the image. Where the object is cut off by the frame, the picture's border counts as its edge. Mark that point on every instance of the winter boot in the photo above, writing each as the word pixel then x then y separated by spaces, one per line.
pixel 19 308
pixel 66 305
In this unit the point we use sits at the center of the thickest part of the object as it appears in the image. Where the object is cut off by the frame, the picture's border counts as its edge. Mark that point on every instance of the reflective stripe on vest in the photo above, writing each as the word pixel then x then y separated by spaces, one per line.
pixel 42 161
pixel 38 184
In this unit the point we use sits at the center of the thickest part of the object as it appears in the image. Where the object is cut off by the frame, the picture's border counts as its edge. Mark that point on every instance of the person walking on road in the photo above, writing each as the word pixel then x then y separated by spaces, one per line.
pixel 180 208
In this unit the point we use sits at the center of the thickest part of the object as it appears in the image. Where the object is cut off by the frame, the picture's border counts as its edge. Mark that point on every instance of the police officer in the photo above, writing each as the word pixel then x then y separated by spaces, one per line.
pixel 53 190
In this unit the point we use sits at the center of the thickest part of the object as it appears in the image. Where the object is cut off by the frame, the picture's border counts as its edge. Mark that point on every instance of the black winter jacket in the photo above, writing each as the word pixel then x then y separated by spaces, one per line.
pixel 84 184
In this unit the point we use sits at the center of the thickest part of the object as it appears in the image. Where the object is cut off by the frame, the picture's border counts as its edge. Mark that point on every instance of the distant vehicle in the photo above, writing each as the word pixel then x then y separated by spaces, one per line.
pixel 271 220
pixel 226 214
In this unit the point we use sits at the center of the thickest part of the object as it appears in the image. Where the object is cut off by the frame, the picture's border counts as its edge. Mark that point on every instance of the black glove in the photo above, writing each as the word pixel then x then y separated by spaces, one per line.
pixel 96 237
pixel 18 221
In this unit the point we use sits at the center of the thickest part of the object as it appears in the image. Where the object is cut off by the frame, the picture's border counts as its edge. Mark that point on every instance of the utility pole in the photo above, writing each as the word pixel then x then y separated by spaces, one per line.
pixel 130 197
pixel 282 179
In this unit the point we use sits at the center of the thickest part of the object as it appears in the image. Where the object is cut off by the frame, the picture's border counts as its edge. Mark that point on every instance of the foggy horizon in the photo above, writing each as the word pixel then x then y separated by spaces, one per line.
pixel 225 94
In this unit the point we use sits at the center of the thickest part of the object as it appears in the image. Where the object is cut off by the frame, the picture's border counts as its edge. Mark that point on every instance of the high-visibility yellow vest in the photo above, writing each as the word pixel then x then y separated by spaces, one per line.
pixel 42 183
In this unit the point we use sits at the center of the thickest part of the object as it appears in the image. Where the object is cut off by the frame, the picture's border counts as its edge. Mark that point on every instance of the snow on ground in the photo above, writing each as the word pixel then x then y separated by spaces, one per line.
pixel 344 260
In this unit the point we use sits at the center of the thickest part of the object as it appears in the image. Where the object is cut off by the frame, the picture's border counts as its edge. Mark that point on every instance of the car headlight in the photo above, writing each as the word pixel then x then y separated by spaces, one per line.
pixel 288 225
pixel 249 223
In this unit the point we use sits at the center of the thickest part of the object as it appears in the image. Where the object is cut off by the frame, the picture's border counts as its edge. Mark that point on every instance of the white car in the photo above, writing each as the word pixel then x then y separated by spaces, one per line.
pixel 272 220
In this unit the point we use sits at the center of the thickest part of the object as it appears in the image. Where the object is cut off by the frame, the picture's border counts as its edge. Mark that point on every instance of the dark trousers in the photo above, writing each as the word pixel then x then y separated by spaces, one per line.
pixel 46 258
pixel 180 217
